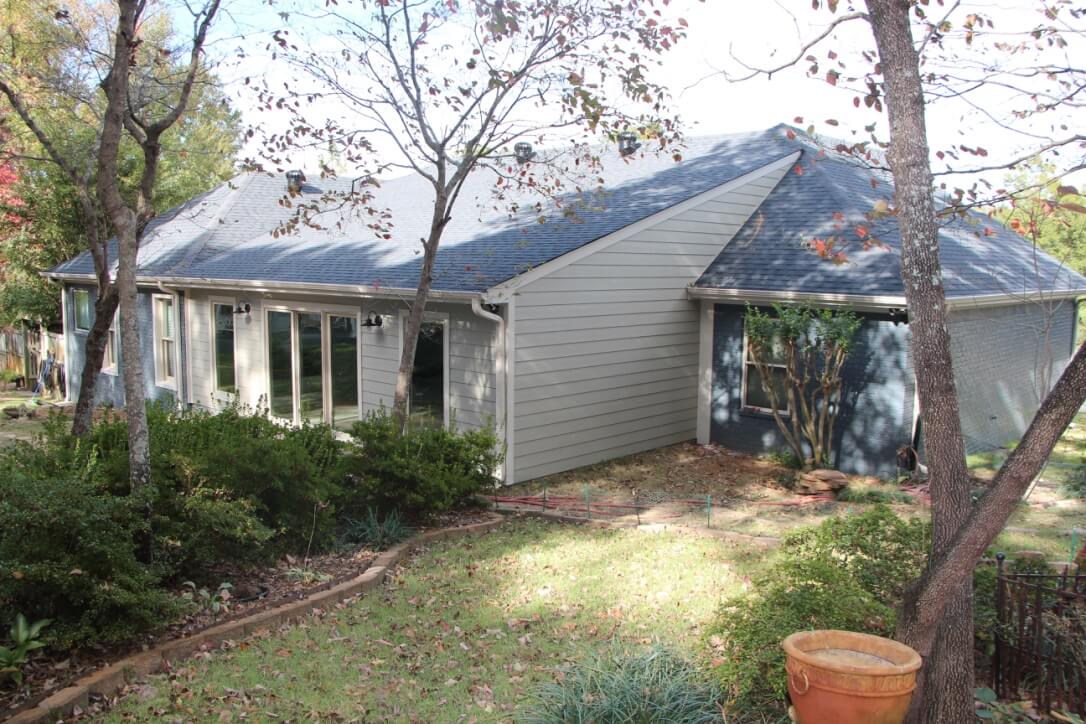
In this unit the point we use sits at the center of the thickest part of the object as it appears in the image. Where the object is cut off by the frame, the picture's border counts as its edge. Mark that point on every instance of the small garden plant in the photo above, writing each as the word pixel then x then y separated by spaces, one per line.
pixel 25 637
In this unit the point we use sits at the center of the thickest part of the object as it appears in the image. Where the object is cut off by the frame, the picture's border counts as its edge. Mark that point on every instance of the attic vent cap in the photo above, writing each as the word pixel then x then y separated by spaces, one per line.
pixel 295 179
pixel 523 152
pixel 627 143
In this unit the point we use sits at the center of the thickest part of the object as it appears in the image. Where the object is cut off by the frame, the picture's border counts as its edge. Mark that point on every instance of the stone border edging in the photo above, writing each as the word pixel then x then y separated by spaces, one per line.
pixel 108 681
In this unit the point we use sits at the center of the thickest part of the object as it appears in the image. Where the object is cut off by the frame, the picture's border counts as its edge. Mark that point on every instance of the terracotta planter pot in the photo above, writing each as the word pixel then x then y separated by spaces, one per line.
pixel 841 677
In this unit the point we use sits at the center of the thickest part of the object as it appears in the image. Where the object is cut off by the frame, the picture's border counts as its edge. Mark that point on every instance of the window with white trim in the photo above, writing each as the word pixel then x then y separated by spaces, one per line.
pixel 222 341
pixel 109 362
pixel 754 395
pixel 81 297
pixel 165 374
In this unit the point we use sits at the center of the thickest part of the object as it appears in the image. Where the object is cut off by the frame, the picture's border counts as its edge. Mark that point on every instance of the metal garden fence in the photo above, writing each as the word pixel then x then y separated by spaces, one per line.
pixel 1040 639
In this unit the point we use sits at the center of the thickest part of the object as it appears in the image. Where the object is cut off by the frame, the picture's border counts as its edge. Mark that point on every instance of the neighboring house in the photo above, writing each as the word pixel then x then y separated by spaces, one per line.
pixel 584 338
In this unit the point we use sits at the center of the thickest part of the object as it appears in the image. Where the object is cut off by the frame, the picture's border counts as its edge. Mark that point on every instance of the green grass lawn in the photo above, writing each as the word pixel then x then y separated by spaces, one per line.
pixel 468 627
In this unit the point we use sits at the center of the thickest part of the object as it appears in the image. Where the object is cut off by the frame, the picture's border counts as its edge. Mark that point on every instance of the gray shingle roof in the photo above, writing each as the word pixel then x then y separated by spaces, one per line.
pixel 225 234
pixel 832 197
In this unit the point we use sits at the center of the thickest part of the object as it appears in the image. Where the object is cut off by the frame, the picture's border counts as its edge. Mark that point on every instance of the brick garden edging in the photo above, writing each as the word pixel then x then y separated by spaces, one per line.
pixel 110 680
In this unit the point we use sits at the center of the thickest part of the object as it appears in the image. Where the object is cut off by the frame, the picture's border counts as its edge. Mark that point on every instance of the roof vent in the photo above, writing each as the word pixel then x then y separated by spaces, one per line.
pixel 295 179
pixel 523 151
pixel 627 143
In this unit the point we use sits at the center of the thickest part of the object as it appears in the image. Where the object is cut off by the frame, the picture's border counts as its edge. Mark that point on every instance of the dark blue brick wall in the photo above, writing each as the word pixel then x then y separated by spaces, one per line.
pixel 876 402
pixel 1000 357
pixel 110 388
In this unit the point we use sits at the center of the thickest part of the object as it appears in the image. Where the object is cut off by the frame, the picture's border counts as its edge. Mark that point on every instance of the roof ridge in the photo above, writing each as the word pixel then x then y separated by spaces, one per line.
pixel 227 205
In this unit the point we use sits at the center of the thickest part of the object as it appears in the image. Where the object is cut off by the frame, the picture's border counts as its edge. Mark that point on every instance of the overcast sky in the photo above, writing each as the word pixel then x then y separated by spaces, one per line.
pixel 720 32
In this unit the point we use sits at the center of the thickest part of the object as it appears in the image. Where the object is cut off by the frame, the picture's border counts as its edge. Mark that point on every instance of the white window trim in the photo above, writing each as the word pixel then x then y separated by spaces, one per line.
pixel 216 393
pixel 443 319
pixel 744 405
pixel 161 380
pixel 75 311
pixel 326 357
pixel 326 311
pixel 115 334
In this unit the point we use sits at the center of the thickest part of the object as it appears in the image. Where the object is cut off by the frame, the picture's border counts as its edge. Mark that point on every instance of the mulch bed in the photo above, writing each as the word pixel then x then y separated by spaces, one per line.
pixel 265 588
pixel 254 590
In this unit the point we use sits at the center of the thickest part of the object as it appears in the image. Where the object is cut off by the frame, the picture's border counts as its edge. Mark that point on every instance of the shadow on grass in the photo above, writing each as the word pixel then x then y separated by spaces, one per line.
pixel 468 627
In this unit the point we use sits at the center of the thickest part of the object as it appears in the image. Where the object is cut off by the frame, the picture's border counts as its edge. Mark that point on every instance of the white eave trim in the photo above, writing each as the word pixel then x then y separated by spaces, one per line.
pixel 500 293
pixel 872 302
pixel 273 287
pixel 852 301
pixel 1001 300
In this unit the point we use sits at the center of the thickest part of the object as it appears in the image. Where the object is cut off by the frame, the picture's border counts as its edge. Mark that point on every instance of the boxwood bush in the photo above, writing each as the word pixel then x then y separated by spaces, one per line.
pixel 424 469
pixel 847 573
pixel 67 553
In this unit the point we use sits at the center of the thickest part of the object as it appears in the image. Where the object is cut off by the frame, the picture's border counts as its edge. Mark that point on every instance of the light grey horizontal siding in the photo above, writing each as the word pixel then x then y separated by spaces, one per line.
pixel 472 380
pixel 607 347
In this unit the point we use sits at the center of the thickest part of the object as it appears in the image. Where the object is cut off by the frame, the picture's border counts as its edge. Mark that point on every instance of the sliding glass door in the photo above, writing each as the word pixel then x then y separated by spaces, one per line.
pixel 313 366
pixel 280 365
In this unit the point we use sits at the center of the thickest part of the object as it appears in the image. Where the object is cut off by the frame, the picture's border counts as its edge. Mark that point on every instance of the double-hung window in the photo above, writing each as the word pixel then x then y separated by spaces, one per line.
pixel 109 363
pixel 755 396
pixel 81 297
pixel 164 331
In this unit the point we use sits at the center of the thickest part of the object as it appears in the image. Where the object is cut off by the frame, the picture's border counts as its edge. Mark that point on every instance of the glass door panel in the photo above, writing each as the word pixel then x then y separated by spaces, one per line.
pixel 310 367
pixel 343 355
pixel 428 377
pixel 280 365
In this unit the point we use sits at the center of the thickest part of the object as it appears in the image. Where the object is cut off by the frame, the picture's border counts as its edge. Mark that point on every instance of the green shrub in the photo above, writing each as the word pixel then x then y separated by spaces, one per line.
pixel 880 550
pixel 654 686
pixel 1074 483
pixel 374 531
pixel 426 469
pixel 791 596
pixel 67 553
pixel 276 478
pixel 874 495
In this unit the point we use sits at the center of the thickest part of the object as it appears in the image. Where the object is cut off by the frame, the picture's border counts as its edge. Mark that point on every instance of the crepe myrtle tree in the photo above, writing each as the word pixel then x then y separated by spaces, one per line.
pixel 1021 80
pixel 799 353
pixel 454 88
pixel 124 90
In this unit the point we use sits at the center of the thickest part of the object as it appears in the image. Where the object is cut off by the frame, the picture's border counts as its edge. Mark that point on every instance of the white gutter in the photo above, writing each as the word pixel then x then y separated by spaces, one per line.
pixel 999 300
pixel 500 372
pixel 272 287
pixel 856 301
pixel 872 302
pixel 181 382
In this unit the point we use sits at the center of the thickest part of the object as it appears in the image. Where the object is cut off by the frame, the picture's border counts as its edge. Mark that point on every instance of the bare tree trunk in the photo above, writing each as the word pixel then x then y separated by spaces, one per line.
pixel 93 355
pixel 945 693
pixel 413 323
pixel 139 449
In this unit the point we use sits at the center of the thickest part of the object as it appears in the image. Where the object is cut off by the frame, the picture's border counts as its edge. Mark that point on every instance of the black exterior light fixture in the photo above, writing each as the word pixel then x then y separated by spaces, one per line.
pixel 373 319
pixel 898 316
pixel 523 152
pixel 627 143
pixel 243 308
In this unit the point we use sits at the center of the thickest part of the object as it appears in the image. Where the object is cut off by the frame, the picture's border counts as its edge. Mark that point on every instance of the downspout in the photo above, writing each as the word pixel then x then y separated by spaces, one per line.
pixel 500 372
pixel 182 383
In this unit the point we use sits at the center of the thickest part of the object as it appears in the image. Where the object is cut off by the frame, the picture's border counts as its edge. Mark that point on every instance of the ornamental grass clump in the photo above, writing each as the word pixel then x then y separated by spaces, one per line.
pixel 653 686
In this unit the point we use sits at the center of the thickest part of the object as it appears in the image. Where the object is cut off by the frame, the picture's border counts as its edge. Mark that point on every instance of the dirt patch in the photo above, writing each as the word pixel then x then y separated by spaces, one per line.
pixel 682 469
